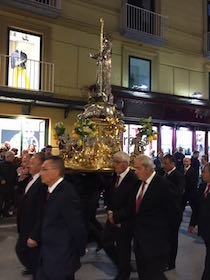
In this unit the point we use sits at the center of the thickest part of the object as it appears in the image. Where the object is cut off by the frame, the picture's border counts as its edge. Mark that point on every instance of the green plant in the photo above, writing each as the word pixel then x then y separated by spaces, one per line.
pixel 59 128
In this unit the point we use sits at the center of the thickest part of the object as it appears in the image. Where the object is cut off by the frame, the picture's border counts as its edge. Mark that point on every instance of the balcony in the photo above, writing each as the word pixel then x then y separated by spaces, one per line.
pixel 48 8
pixel 207 45
pixel 143 25
pixel 26 75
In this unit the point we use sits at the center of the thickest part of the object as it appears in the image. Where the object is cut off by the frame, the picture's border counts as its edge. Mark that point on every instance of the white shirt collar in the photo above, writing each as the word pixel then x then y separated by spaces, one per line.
pixel 51 189
pixel 148 181
pixel 30 183
pixel 169 172
pixel 187 168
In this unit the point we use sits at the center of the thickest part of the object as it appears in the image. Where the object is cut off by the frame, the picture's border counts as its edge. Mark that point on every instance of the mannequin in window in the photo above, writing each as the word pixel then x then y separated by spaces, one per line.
pixel 18 64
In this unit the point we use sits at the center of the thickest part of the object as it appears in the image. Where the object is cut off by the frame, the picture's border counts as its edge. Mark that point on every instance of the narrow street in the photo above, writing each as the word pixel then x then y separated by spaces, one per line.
pixel 96 266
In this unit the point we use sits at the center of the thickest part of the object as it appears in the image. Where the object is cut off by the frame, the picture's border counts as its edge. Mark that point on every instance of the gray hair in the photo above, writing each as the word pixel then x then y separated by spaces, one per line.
pixel 146 161
pixel 123 156
pixel 9 154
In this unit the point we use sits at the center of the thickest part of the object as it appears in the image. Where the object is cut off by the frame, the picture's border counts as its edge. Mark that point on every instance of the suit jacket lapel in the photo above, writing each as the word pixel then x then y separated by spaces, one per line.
pixel 148 192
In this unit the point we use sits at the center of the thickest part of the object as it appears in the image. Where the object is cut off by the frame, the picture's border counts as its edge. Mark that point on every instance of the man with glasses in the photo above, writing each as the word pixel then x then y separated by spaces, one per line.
pixel 63 234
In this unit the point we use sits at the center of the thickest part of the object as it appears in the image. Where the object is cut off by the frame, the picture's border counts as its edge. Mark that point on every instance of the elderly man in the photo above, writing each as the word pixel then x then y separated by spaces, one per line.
pixel 157 212
pixel 202 218
pixel 119 226
pixel 63 236
pixel 29 216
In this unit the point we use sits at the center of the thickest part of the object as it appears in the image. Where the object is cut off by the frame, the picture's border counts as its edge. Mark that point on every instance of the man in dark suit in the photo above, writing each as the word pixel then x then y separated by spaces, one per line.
pixel 202 218
pixel 118 230
pixel 157 213
pixel 191 182
pixel 195 163
pixel 63 234
pixel 29 217
pixel 178 181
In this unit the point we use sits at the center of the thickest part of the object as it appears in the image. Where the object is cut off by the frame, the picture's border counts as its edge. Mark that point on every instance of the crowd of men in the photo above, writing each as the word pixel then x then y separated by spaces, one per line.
pixel 56 215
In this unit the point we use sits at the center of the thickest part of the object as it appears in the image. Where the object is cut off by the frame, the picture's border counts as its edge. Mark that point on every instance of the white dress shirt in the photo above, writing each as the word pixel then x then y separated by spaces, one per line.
pixel 51 189
pixel 122 175
pixel 148 181
pixel 30 183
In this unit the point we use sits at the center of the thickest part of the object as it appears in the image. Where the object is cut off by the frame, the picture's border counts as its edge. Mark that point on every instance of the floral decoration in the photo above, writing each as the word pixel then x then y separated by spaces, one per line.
pixel 83 128
pixel 59 129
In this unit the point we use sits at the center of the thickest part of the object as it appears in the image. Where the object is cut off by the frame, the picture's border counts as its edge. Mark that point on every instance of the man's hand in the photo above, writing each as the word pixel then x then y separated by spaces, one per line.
pixel 31 243
pixel 111 220
pixel 191 229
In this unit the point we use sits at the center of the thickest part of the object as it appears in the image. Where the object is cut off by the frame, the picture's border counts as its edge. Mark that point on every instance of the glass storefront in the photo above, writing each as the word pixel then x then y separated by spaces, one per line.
pixel 21 132
pixel 184 138
pixel 166 139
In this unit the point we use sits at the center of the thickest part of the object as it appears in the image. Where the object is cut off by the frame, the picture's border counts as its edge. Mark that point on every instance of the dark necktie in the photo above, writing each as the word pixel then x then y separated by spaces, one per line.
pixel 139 198
pixel 117 181
pixel 207 191
pixel 48 195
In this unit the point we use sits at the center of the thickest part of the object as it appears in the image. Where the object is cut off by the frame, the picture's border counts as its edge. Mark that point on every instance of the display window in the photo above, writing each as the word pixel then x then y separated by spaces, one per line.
pixel 24 63
pixel 184 140
pixel 200 142
pixel 166 139
pixel 131 130
pixel 22 132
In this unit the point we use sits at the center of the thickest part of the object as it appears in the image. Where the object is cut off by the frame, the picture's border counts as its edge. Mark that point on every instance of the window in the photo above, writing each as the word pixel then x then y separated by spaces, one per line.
pixel 128 136
pixel 139 73
pixel 144 4
pixel 166 139
pixel 24 63
pixel 21 132
pixel 184 140
pixel 200 142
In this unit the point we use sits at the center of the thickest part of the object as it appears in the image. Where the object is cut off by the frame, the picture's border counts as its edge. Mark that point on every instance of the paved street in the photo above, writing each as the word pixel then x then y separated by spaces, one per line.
pixel 190 259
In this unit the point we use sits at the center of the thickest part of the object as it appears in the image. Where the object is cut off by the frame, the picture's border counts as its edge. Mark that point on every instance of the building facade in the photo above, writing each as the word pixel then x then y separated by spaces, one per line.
pixel 160 56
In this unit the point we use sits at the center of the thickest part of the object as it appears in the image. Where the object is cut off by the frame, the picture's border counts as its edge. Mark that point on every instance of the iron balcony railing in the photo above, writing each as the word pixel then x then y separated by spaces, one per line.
pixel 137 20
pixel 27 74
pixel 49 8
pixel 51 3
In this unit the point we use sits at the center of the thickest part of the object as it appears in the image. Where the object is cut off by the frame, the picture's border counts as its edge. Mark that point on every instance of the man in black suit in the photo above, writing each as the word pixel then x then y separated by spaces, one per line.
pixel 29 217
pixel 178 181
pixel 118 230
pixel 202 218
pixel 157 213
pixel 191 182
pixel 63 234
pixel 195 163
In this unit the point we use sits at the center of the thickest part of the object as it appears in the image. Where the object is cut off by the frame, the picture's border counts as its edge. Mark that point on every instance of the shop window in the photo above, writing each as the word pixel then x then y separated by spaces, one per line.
pixel 128 136
pixel 200 142
pixel 139 73
pixel 24 63
pixel 184 140
pixel 166 139
pixel 21 132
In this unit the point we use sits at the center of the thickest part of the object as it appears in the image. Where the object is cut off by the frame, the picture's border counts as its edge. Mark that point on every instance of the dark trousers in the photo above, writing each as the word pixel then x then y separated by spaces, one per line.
pixel 42 276
pixel 27 256
pixel 150 268
pixel 206 273
pixel 117 245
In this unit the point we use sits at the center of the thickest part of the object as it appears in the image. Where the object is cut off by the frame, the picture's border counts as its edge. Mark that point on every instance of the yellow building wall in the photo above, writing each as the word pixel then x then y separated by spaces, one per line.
pixel 178 67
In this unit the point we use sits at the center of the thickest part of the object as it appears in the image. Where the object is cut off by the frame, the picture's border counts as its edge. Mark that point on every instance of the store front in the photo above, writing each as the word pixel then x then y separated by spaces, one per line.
pixel 179 121
pixel 21 132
